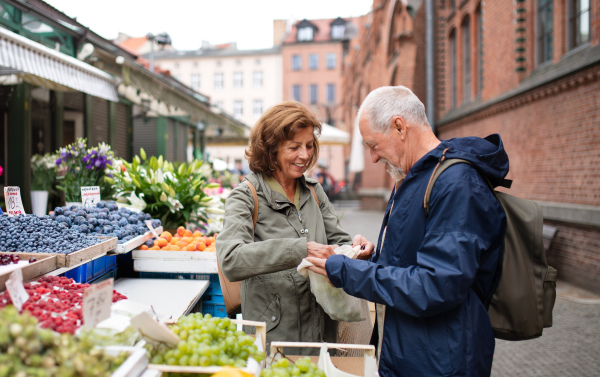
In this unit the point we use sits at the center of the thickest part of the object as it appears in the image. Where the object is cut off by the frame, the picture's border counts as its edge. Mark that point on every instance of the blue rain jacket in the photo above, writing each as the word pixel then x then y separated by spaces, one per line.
pixel 435 324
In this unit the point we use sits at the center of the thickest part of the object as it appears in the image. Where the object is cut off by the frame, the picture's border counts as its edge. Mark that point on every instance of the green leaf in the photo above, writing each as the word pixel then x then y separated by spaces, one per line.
pixel 143 154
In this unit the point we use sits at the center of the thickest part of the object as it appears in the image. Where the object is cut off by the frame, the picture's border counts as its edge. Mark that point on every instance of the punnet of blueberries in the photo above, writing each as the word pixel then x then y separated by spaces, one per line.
pixel 41 234
pixel 106 219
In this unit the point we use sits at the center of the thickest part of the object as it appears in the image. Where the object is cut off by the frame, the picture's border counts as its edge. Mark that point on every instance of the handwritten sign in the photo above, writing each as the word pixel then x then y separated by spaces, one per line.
pixel 149 225
pixel 90 195
pixel 16 291
pixel 14 204
pixel 97 300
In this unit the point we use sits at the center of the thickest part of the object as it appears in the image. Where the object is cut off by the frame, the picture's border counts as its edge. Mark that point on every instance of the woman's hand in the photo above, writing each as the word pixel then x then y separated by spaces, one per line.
pixel 318 250
pixel 366 247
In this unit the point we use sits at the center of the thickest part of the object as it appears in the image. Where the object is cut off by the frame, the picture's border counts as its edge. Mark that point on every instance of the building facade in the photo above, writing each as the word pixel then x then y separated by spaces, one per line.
pixel 530 71
pixel 312 54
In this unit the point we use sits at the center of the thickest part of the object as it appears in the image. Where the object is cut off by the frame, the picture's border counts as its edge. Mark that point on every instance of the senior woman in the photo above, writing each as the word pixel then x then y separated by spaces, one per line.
pixel 291 225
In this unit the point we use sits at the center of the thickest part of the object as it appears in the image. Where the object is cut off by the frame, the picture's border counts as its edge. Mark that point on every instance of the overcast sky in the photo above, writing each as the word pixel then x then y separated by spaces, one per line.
pixel 188 22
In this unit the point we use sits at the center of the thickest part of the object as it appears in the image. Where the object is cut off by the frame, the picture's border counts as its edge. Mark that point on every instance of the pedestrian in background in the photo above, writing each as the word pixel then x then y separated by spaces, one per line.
pixel 426 269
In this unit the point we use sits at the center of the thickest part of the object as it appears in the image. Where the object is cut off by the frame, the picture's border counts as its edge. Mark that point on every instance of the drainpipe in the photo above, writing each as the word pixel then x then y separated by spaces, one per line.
pixel 429 63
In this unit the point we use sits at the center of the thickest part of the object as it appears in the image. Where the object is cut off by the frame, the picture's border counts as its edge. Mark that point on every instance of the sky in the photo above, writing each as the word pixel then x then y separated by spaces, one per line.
pixel 189 22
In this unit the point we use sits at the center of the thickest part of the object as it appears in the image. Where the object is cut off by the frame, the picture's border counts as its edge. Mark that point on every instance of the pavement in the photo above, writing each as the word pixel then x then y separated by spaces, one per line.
pixel 571 347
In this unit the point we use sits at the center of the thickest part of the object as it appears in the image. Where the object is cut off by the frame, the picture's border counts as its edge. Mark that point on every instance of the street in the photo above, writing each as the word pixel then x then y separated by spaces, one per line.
pixel 571 347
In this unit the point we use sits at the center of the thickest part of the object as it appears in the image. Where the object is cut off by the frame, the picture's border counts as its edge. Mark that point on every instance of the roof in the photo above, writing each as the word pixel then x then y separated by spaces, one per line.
pixel 213 52
pixel 133 44
pixel 322 33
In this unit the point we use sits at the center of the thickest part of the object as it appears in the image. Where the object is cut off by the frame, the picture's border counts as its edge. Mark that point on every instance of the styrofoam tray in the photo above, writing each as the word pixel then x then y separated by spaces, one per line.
pixel 200 262
pixel 137 241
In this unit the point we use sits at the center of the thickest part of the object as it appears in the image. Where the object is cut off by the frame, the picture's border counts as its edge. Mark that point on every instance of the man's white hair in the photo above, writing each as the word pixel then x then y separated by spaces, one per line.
pixel 384 103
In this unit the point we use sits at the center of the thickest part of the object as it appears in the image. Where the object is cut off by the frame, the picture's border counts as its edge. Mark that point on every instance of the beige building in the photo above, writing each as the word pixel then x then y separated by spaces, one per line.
pixel 241 82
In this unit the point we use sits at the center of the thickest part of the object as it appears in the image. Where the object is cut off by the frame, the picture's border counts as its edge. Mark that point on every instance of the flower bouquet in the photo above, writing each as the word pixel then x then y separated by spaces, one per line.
pixel 81 167
pixel 43 171
pixel 175 195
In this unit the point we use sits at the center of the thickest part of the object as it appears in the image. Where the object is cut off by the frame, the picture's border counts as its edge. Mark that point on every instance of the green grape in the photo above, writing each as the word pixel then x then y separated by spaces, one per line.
pixel 283 368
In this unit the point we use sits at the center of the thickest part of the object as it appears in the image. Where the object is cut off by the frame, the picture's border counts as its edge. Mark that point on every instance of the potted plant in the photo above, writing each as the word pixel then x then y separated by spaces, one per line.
pixel 175 195
pixel 81 167
pixel 43 174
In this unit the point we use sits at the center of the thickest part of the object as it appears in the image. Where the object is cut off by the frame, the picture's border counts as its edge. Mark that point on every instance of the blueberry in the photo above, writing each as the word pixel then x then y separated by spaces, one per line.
pixel 123 222
pixel 59 210
pixel 79 220
pixel 74 207
pixel 147 217
pixel 132 219
pixel 101 204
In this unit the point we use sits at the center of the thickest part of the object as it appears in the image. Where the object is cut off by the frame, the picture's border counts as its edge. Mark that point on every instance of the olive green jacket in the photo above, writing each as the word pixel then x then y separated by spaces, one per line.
pixel 265 258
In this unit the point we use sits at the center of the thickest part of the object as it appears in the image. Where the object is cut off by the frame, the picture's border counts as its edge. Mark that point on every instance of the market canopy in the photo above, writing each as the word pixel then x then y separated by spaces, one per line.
pixel 45 67
pixel 332 135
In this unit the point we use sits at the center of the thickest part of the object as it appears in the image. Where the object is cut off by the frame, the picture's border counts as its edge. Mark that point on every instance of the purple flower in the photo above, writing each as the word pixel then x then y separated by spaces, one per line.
pixel 88 167
pixel 58 161
pixel 98 163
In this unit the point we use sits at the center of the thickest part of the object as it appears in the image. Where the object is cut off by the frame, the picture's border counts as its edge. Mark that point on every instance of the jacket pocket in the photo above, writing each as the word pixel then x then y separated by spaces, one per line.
pixel 272 313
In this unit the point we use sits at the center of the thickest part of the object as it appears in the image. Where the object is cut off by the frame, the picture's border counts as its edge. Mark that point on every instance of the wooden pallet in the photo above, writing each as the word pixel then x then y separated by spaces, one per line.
pixel 45 263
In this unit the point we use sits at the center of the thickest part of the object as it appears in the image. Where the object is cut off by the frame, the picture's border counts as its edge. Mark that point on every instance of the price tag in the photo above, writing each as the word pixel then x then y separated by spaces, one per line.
pixel 149 225
pixel 97 300
pixel 14 204
pixel 153 330
pixel 16 291
pixel 90 195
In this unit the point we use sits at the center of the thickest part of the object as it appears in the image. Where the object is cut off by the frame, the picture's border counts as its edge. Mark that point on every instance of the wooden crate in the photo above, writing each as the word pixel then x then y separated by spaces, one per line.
pixel 261 328
pixel 84 255
pixel 45 263
pixel 137 241
pixel 352 365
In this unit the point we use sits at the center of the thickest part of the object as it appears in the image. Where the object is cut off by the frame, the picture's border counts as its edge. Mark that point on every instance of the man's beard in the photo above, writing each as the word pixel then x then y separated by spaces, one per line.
pixel 396 172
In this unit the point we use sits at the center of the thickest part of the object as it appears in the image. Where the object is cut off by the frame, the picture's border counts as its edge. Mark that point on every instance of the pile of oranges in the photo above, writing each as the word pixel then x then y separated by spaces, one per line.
pixel 183 240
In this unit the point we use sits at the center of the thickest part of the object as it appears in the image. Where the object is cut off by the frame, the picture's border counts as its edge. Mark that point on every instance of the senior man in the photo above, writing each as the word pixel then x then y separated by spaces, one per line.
pixel 426 270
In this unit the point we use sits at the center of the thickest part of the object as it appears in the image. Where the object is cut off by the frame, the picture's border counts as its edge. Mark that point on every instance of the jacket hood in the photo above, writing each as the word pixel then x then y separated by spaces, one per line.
pixel 487 154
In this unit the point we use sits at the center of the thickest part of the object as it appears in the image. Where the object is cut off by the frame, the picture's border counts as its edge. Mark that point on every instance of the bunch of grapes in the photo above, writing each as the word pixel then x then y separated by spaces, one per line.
pixel 206 341
pixel 302 367
pixel 29 351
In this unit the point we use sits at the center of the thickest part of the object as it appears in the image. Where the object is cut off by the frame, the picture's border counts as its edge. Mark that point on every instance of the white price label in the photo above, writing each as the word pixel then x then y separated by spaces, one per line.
pixel 153 330
pixel 90 195
pixel 97 300
pixel 149 225
pixel 14 204
pixel 16 291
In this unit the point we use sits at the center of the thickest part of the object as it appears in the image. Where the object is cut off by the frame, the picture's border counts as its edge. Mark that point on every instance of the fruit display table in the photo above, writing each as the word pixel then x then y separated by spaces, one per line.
pixel 170 298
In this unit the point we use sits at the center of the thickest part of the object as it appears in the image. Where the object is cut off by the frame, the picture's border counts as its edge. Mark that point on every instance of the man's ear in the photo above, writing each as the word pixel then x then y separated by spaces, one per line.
pixel 399 126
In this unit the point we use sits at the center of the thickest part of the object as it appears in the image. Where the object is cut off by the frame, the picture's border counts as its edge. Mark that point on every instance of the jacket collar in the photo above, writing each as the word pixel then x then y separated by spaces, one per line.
pixel 275 199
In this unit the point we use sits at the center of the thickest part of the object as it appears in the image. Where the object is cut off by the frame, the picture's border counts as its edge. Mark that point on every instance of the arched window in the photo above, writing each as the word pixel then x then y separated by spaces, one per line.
pixel 479 54
pixel 466 59
pixel 452 56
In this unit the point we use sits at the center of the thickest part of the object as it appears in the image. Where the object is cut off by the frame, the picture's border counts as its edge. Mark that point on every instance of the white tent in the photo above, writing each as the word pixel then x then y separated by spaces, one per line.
pixel 331 135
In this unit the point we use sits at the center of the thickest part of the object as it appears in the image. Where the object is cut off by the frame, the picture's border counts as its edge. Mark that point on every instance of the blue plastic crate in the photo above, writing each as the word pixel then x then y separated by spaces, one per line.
pixel 78 274
pixel 214 309
pixel 217 299
pixel 106 275
pixel 92 270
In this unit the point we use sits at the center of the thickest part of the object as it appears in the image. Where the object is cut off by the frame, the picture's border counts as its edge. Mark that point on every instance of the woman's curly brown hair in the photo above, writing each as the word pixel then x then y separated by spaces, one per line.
pixel 278 124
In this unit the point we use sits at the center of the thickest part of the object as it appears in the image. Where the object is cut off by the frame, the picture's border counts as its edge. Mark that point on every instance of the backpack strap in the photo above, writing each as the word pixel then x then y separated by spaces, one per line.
pixel 312 189
pixel 255 213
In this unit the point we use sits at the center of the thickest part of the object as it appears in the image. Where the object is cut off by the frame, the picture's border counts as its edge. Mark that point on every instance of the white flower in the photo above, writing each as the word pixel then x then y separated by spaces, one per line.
pixel 175 204
pixel 137 204
pixel 159 176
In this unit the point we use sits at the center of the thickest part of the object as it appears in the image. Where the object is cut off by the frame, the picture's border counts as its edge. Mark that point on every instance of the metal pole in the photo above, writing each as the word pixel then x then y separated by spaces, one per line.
pixel 429 63
pixel 151 54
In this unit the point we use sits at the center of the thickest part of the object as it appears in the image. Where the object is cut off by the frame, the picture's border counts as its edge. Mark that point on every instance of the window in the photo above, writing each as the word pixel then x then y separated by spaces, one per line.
pixel 296 95
pixel 257 107
pixel 330 93
pixel 238 62
pixel 479 31
pixel 296 63
pixel 330 60
pixel 238 109
pixel 195 64
pixel 219 104
pixel 305 34
pixel 238 79
pixel 257 79
pixel 313 94
pixel 218 81
pixel 337 31
pixel 579 23
pixel 218 63
pixel 195 81
pixel 313 61
pixel 257 62
pixel 452 50
pixel 452 5
pixel 545 28
pixel 466 61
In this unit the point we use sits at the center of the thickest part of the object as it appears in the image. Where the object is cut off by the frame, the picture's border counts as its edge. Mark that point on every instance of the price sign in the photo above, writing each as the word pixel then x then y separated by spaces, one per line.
pixel 90 195
pixel 153 330
pixel 97 300
pixel 149 225
pixel 16 291
pixel 14 204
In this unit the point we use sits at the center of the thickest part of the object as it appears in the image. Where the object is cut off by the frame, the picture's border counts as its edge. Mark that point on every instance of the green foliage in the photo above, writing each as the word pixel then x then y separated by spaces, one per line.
pixel 43 171
pixel 172 194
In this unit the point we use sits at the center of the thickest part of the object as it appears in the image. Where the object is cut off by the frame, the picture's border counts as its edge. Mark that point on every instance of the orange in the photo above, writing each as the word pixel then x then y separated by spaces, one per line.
pixel 190 248
pixel 143 247
pixel 186 239
pixel 200 246
pixel 167 235
pixel 181 230
pixel 197 234
pixel 187 233
pixel 175 248
pixel 208 241
pixel 156 242
pixel 154 248
pixel 162 242
pixel 183 245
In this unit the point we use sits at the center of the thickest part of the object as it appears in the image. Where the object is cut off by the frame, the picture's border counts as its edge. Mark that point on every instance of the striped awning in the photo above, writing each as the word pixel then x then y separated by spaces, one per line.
pixel 45 67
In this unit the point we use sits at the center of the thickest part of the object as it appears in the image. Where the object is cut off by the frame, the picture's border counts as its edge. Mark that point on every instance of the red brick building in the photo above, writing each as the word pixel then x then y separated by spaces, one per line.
pixel 526 69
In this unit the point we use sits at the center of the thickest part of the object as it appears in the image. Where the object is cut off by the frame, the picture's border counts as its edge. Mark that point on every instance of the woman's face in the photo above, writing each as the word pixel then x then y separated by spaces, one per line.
pixel 294 155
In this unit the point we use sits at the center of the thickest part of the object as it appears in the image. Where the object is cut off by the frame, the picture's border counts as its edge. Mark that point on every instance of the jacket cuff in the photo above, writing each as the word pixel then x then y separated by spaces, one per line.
pixel 334 267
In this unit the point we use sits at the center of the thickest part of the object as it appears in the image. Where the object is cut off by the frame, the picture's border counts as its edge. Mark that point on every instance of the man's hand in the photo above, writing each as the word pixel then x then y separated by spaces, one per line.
pixel 366 247
pixel 319 266
pixel 318 250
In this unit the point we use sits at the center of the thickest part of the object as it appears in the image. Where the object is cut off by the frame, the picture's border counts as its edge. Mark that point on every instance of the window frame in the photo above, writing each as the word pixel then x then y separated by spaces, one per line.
pixel 544 39
pixel 466 58
pixel 297 88
pixel 220 81
pixel 238 79
pixel 330 93
pixel 313 94
pixel 571 27
pixel 305 34
pixel 296 62
pixel 452 67
pixel 195 81
pixel 313 58
pixel 330 57
pixel 238 105
pixel 258 102
pixel 257 79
